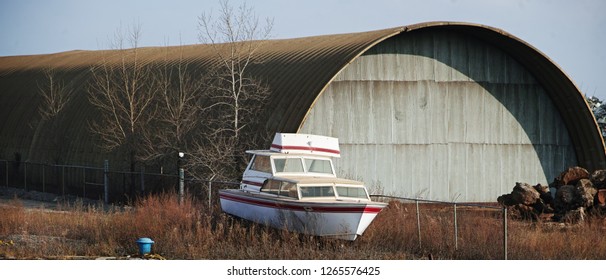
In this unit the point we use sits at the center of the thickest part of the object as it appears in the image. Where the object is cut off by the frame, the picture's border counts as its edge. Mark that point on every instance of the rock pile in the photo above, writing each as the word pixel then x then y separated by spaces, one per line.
pixel 569 197
pixel 599 112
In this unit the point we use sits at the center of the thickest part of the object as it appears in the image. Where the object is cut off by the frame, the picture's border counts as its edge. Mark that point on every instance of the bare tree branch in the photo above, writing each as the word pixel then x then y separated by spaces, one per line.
pixel 236 98
pixel 55 95
pixel 123 92
pixel 179 108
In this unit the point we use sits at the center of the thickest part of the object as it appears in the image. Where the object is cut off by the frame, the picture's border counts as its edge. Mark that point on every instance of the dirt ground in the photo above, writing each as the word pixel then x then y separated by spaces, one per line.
pixel 37 201
pixel 47 202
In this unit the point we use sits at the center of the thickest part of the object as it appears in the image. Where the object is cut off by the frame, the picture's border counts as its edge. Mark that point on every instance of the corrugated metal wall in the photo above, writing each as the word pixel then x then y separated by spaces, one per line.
pixel 442 115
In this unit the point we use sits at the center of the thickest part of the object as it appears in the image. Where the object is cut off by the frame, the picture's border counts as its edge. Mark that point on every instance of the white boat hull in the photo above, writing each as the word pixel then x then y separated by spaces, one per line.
pixel 339 219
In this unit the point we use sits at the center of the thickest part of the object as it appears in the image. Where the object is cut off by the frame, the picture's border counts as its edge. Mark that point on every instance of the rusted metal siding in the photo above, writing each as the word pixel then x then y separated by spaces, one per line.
pixel 443 116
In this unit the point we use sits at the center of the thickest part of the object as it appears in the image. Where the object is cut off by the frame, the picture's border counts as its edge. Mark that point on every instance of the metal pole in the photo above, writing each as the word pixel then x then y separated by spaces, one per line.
pixel 142 179
pixel 63 180
pixel 505 233
pixel 43 179
pixel 209 195
pixel 106 181
pixel 181 185
pixel 418 223
pixel 456 235
pixel 83 182
pixel 25 175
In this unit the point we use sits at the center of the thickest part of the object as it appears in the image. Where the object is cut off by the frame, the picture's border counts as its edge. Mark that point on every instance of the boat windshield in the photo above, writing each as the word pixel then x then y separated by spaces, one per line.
pixel 261 163
pixel 302 165
pixel 318 166
pixel 288 165
pixel 280 188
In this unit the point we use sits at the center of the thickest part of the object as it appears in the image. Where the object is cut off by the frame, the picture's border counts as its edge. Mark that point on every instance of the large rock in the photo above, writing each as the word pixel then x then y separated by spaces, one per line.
pixel 600 198
pixel 545 195
pixel 571 176
pixel 571 197
pixel 585 193
pixel 524 201
pixel 541 189
pixel 598 178
pixel 521 211
pixel 564 198
pixel 506 200
pixel 541 207
pixel 573 216
pixel 525 194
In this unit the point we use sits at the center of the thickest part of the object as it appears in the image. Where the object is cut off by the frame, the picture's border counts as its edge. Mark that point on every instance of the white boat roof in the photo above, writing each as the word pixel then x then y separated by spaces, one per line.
pixel 273 153
pixel 295 143
pixel 317 180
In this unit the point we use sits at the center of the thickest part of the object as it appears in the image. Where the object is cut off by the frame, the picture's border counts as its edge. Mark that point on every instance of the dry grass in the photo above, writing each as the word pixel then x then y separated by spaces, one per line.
pixel 192 231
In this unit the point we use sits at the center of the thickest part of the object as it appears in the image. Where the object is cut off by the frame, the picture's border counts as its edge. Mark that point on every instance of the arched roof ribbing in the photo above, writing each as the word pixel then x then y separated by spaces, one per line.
pixel 297 71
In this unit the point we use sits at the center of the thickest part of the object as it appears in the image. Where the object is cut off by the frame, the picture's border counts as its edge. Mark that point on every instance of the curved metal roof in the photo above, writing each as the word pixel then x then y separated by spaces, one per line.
pixel 297 72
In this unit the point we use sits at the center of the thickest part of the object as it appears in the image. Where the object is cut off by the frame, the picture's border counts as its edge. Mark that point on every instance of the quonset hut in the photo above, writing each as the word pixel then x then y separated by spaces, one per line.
pixel 440 110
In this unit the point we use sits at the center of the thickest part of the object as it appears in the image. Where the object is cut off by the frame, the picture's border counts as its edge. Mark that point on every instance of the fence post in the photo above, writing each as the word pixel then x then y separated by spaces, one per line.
pixel 209 196
pixel 418 223
pixel 43 179
pixel 456 235
pixel 181 185
pixel 142 179
pixel 505 233
pixel 63 180
pixel 84 182
pixel 106 181
pixel 25 175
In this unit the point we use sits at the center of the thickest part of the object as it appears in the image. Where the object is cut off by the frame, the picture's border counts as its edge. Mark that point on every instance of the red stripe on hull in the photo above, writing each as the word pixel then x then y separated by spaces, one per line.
pixel 313 207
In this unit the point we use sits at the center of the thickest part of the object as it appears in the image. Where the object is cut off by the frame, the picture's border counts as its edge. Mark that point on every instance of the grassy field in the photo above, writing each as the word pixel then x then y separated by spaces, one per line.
pixel 193 231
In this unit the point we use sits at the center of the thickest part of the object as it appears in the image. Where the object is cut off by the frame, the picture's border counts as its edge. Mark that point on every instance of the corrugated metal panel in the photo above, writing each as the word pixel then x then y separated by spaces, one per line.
pixel 299 70
pixel 447 135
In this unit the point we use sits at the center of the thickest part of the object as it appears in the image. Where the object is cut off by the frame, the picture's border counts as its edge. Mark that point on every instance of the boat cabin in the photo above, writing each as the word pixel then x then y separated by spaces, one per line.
pixel 291 155
pixel 295 165
pixel 314 188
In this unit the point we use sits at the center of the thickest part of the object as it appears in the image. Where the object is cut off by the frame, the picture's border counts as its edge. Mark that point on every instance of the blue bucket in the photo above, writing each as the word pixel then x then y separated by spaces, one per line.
pixel 145 245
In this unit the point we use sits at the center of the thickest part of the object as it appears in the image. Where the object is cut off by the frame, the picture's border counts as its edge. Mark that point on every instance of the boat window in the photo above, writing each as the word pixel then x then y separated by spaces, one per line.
pixel 271 186
pixel 280 188
pixel 261 163
pixel 317 191
pixel 289 189
pixel 318 166
pixel 288 165
pixel 351 192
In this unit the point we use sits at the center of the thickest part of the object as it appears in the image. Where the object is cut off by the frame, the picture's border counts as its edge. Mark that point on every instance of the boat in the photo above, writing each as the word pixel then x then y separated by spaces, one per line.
pixel 294 186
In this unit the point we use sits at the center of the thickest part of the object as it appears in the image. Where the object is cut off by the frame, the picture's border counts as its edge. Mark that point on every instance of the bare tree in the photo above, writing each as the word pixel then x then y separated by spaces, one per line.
pixel 123 92
pixel 235 38
pixel 236 98
pixel 55 96
pixel 213 159
pixel 179 106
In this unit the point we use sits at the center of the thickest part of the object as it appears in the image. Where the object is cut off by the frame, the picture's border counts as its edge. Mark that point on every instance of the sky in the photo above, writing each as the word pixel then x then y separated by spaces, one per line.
pixel 570 33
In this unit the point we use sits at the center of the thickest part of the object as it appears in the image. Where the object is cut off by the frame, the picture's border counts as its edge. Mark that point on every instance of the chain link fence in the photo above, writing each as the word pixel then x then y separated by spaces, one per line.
pixel 102 183
pixel 421 219
pixel 434 225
